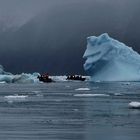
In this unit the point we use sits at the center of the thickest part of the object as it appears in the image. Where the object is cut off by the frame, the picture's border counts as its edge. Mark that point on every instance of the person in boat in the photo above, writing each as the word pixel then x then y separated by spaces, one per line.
pixel 45 78
pixel 75 77
pixel 71 77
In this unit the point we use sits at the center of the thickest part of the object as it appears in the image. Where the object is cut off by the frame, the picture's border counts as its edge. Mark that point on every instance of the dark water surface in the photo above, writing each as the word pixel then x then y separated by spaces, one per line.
pixel 57 111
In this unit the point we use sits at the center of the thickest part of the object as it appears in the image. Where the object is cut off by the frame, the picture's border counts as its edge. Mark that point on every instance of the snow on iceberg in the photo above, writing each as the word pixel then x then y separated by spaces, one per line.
pixel 110 60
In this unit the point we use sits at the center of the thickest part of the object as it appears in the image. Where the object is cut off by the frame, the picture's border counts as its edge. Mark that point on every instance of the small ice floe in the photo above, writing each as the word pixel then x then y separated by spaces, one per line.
pixel 15 98
pixel 75 109
pixel 91 95
pixel 82 89
pixel 134 105
pixel 118 94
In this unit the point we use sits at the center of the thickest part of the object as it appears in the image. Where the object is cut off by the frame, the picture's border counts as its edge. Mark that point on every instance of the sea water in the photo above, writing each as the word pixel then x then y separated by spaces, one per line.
pixel 69 111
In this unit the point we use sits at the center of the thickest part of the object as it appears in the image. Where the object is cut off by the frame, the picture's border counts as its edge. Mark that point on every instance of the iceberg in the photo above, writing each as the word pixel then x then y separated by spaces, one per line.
pixel 110 60
pixel 6 77
pixel 26 78
pixel 20 78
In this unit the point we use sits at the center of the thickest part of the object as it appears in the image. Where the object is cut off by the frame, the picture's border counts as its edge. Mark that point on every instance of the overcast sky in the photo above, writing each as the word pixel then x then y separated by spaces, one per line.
pixel 72 20
pixel 22 10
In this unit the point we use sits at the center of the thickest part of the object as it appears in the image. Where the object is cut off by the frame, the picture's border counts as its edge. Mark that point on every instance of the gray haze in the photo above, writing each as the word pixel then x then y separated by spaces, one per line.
pixel 50 35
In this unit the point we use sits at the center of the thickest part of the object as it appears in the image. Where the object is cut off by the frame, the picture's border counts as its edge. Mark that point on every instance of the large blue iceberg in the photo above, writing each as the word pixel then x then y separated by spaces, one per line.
pixel 110 60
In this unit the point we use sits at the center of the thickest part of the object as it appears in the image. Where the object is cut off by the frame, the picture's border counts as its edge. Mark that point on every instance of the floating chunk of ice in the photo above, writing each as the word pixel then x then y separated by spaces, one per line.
pixel 93 95
pixel 85 89
pixel 15 98
pixel 134 105
pixel 118 94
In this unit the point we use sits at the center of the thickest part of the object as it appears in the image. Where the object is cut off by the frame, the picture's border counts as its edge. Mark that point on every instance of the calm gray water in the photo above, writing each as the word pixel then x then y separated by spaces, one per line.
pixel 57 111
